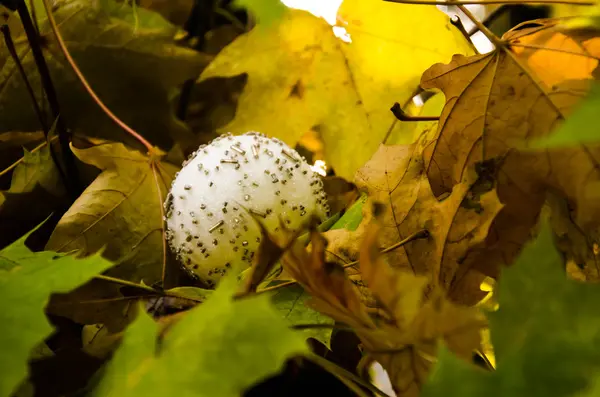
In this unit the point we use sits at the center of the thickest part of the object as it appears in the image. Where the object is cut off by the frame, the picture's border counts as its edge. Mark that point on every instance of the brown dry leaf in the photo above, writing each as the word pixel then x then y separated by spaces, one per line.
pixel 399 292
pixel 405 340
pixel 331 292
pixel 498 101
pixel 120 212
pixel 457 225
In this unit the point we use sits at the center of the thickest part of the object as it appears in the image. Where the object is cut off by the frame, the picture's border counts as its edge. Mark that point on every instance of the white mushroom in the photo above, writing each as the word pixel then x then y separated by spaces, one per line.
pixel 206 211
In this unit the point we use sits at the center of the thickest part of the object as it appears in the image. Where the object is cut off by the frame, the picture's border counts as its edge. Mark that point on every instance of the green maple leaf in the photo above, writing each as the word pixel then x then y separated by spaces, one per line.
pixel 217 349
pixel 545 334
pixel 26 281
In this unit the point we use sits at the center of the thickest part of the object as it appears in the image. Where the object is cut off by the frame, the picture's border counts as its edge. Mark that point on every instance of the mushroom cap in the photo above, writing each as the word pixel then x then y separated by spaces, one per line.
pixel 210 209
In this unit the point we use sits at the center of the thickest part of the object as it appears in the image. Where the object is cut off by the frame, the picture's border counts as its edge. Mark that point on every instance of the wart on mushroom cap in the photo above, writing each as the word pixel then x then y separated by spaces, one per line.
pixel 208 228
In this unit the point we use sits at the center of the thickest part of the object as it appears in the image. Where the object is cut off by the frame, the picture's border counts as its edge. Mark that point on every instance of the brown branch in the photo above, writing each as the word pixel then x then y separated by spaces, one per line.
pixel 70 174
pixel 484 29
pixel 457 22
pixel 86 85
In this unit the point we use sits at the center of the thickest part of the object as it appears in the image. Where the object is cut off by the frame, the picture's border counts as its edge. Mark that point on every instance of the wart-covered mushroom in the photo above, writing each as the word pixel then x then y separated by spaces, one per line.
pixel 208 210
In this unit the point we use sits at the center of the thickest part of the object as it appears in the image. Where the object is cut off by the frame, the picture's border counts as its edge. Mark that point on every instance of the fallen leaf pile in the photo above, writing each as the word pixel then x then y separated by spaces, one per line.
pixel 420 230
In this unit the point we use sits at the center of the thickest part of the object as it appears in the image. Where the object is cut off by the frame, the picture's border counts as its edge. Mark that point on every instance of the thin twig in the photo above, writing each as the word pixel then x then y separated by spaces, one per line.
pixel 275 287
pixel 19 161
pixel 10 46
pixel 300 327
pixel 457 22
pixel 96 301
pixel 415 236
pixel 34 16
pixel 118 121
pixel 70 174
pixel 147 288
pixel 486 2
pixel 490 18
pixel 86 85
pixel 338 371
pixel 484 29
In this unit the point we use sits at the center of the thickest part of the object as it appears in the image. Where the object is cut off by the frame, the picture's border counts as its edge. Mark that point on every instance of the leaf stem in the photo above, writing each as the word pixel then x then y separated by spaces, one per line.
pixel 300 327
pixel 70 174
pixel 486 2
pixel 482 28
pixel 146 288
pixel 415 236
pixel 19 161
pixel 275 287
pixel 457 22
pixel 402 116
pixel 86 85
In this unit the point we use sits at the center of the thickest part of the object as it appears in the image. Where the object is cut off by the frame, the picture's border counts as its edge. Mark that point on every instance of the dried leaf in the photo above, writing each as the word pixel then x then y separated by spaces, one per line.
pixel 400 292
pixel 405 346
pixel 120 211
pixel 577 128
pixel 457 225
pixel 498 101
